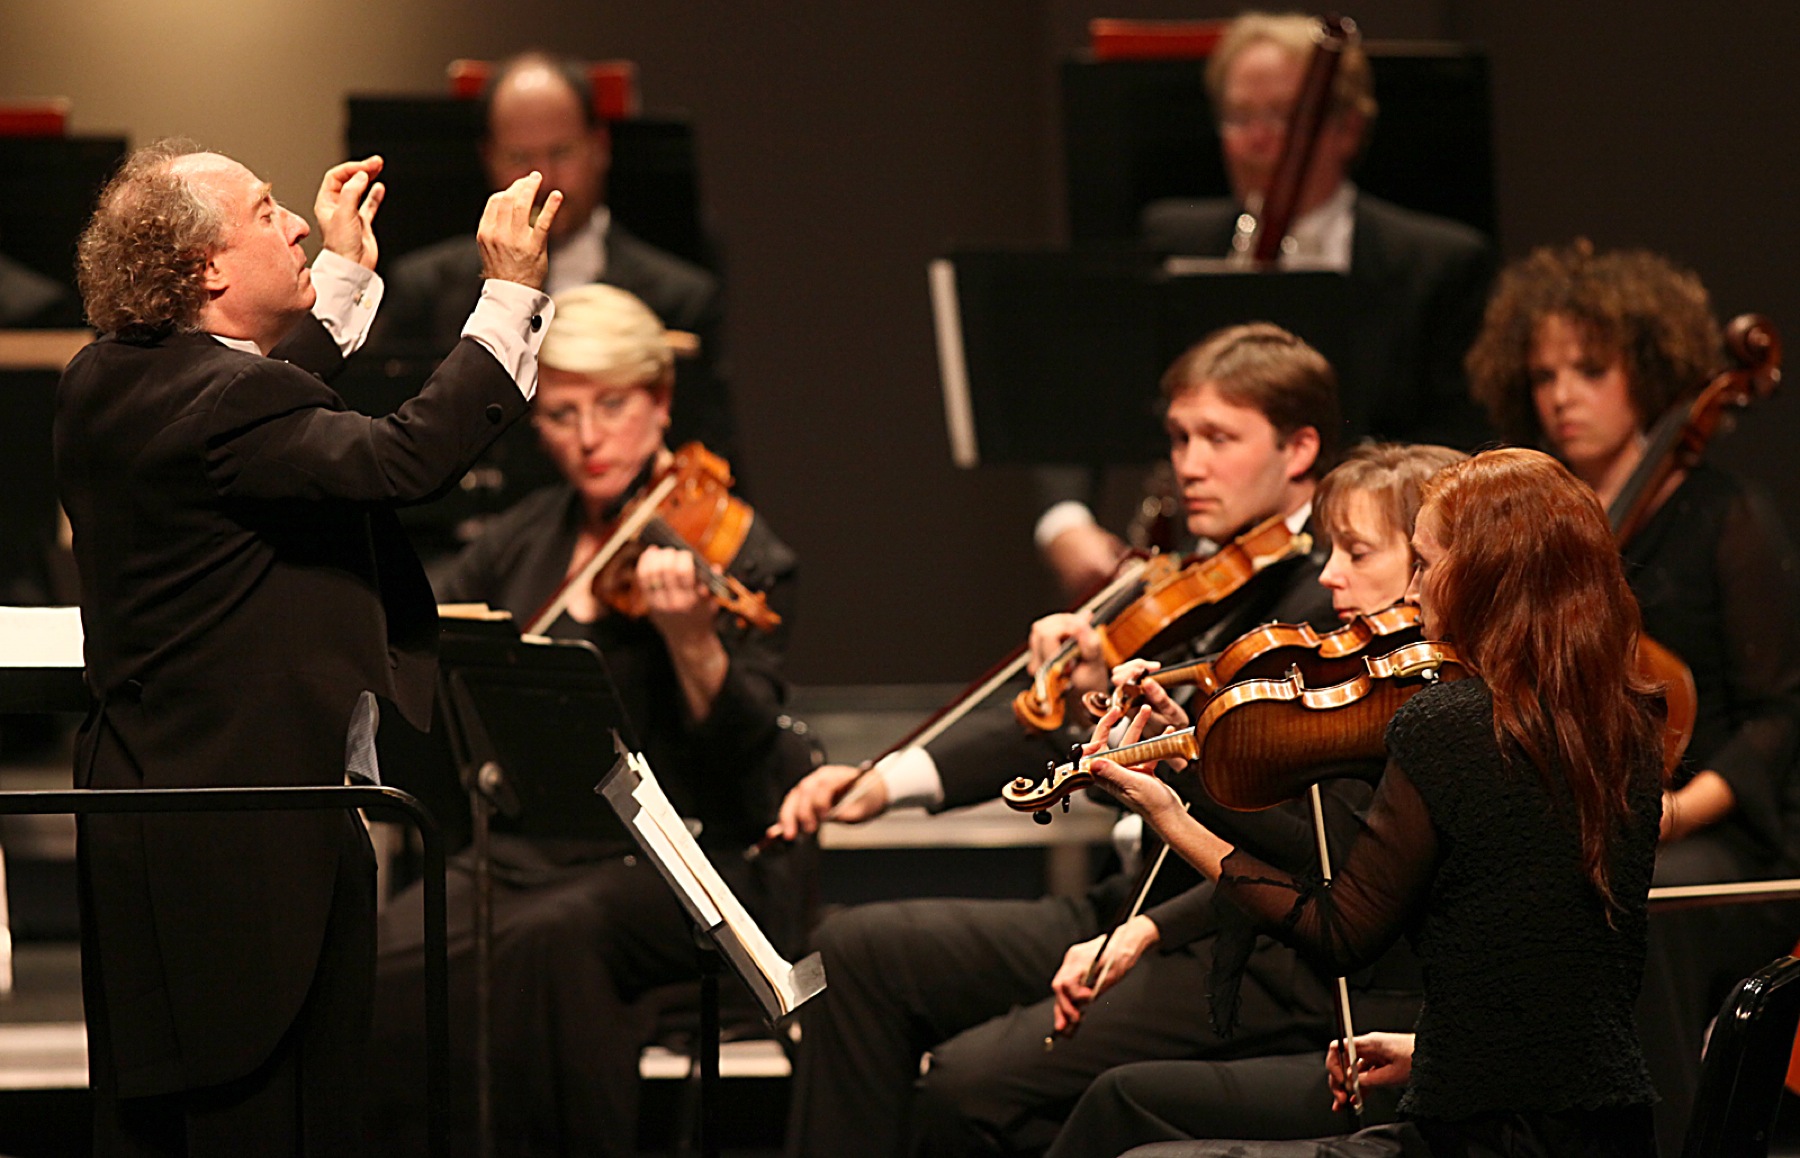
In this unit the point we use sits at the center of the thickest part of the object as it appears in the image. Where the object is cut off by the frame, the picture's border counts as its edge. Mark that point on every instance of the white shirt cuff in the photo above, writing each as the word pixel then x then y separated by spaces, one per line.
pixel 346 298
pixel 912 780
pixel 1063 516
pixel 511 320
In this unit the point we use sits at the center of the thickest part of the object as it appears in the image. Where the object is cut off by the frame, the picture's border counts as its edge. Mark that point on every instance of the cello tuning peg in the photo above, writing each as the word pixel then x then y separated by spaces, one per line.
pixel 1042 816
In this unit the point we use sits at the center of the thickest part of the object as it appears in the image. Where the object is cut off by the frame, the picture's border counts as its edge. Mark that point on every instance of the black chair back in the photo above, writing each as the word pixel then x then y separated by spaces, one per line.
pixel 1746 1063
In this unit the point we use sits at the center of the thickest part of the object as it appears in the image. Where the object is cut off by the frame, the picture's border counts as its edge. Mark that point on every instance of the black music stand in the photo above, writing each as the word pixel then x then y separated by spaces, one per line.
pixel 1051 357
pixel 521 718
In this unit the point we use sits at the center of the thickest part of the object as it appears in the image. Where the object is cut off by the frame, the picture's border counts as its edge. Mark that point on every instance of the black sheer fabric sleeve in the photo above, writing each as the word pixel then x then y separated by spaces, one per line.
pixel 1755 566
pixel 1378 887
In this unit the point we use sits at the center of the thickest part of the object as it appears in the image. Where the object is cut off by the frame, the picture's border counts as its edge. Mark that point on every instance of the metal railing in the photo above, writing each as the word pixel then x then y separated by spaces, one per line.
pixel 89 801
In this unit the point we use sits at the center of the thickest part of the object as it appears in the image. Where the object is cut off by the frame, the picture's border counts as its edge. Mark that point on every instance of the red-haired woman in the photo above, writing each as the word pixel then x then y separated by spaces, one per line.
pixel 1512 836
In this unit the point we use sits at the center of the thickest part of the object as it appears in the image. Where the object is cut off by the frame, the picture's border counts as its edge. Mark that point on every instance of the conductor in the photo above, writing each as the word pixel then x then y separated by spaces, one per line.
pixel 246 594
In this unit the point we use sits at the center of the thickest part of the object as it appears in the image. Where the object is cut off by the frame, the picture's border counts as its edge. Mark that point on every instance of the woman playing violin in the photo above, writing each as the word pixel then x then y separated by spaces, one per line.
pixel 1532 933
pixel 1583 352
pixel 1367 503
pixel 582 929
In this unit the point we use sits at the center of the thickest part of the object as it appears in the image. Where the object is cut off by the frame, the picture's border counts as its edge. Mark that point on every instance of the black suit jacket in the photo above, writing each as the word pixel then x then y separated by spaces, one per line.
pixel 243 583
pixel 1421 286
pixel 430 293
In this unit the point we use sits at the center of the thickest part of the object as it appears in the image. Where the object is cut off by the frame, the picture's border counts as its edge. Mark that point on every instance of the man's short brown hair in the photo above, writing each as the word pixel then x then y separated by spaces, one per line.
pixel 139 261
pixel 1272 371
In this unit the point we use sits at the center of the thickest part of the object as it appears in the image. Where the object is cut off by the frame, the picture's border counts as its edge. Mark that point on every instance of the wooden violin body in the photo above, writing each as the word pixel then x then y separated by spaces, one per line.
pixel 1269 651
pixel 1158 612
pixel 1262 741
pixel 687 505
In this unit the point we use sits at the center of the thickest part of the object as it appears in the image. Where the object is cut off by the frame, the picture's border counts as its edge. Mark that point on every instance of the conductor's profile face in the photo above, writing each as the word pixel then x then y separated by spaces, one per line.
pixel 599 434
pixel 260 273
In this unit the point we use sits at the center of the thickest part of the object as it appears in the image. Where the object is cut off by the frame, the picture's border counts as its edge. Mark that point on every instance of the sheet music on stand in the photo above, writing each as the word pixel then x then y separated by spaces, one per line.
pixel 632 789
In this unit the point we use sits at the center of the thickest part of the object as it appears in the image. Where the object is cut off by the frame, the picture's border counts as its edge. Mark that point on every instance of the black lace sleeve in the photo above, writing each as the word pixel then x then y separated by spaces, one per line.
pixel 1378 887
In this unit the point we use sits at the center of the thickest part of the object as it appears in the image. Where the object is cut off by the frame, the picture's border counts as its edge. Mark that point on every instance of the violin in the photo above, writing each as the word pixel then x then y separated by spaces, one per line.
pixel 1270 650
pixel 686 505
pixel 1157 612
pixel 1263 741
pixel 1264 223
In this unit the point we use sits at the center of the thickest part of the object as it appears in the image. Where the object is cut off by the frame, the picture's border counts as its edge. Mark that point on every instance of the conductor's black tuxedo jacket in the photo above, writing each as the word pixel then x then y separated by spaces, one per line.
pixel 243 583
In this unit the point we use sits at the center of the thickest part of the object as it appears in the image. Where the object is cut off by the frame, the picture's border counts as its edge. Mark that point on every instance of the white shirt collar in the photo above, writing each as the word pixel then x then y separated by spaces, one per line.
pixel 1321 238
pixel 244 345
pixel 580 260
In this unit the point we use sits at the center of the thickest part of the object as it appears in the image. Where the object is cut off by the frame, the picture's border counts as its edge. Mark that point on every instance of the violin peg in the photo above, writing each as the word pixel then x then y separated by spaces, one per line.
pixel 1042 816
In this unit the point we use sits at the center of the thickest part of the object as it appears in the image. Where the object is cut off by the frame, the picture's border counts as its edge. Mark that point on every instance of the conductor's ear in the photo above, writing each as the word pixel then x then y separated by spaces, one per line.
pixel 213 276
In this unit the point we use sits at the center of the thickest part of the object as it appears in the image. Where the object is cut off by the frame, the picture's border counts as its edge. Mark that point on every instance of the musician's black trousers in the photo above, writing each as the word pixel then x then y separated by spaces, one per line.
pixel 969 981
pixel 1277 1097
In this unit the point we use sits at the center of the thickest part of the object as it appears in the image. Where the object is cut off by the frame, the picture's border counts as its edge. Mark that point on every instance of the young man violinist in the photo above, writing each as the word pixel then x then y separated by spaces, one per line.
pixel 584 928
pixel 1252 419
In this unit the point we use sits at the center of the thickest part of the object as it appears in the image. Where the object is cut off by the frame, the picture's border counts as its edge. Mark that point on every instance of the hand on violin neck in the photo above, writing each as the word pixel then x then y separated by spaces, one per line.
pixel 1165 714
pixel 1136 787
pixel 1070 987
pixel 1048 637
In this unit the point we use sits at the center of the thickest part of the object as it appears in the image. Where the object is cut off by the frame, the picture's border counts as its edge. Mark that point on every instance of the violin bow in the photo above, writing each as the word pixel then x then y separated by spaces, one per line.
pixel 584 575
pixel 1097 968
pixel 1128 574
pixel 1343 985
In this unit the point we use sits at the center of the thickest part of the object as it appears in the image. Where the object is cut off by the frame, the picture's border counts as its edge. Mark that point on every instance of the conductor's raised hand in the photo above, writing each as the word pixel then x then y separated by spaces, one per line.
pixel 514 246
pixel 345 207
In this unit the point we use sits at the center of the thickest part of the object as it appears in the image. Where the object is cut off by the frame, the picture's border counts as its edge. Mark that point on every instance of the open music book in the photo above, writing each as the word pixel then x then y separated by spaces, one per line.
pixel 631 788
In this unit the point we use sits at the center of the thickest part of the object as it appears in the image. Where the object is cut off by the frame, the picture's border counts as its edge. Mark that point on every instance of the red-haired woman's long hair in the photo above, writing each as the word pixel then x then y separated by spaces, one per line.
pixel 1531 591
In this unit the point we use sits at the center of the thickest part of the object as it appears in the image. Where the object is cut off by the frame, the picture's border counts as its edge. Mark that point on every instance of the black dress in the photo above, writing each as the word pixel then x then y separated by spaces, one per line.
pixel 1527 1027
pixel 1716 577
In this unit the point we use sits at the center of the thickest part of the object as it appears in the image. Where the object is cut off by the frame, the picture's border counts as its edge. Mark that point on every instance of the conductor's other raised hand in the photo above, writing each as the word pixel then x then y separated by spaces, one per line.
pixel 345 208
pixel 514 247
